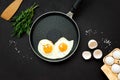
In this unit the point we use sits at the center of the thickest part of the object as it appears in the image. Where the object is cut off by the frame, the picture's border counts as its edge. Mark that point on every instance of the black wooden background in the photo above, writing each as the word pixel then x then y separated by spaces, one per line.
pixel 97 19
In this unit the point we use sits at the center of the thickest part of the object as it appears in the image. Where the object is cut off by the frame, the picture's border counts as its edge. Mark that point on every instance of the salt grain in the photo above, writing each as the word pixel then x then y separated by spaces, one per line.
pixel 90 32
pixel 13 44
pixel 31 58
pixel 23 56
pixel 101 32
pixel 16 48
pixel 106 41
pixel 18 51
pixel 95 32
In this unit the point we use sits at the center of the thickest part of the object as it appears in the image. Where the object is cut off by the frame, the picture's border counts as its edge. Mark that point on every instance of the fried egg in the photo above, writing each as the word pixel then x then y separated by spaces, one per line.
pixel 63 47
pixel 55 51
pixel 46 48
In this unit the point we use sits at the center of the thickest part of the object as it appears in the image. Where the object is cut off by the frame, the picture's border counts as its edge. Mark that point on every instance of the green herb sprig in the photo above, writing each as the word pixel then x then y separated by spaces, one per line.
pixel 23 21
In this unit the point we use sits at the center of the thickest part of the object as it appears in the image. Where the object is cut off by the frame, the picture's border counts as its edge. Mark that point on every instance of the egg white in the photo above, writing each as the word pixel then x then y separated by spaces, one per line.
pixel 56 53
pixel 41 51
pixel 60 54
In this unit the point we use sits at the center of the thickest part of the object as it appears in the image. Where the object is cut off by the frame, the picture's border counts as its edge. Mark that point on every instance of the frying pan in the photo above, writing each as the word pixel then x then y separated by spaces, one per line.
pixel 52 26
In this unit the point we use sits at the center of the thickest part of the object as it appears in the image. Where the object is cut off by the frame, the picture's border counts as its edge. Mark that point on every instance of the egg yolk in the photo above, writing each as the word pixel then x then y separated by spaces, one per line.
pixel 63 47
pixel 47 48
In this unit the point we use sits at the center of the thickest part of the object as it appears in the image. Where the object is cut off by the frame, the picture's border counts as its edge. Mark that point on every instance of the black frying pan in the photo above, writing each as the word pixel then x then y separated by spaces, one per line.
pixel 52 26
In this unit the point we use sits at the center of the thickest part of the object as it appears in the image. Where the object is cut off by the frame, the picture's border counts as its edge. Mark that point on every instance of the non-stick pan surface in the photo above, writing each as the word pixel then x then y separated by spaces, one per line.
pixel 52 26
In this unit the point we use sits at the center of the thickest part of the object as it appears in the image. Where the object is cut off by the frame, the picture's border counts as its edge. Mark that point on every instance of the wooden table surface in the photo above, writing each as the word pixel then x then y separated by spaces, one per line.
pixel 97 19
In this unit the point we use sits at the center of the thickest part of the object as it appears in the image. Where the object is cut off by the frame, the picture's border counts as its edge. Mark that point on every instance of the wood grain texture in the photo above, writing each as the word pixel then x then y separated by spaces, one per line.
pixel 11 9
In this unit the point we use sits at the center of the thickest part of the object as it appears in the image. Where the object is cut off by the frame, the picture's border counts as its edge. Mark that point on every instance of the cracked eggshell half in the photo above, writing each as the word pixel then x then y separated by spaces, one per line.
pixel 97 54
pixel 86 55
pixel 92 44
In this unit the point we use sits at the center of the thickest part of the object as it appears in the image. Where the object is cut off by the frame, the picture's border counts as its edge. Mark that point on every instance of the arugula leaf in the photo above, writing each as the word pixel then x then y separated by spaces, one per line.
pixel 22 22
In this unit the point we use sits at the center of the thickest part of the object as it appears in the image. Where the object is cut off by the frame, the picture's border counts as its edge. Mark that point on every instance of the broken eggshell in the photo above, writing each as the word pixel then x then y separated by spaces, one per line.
pixel 92 44
pixel 97 54
pixel 86 55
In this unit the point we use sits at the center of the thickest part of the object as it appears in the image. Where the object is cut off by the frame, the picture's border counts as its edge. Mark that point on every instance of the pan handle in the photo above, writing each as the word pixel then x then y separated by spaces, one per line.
pixel 74 8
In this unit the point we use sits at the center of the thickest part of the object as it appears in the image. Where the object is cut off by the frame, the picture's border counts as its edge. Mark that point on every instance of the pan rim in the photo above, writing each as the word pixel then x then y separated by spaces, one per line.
pixel 53 60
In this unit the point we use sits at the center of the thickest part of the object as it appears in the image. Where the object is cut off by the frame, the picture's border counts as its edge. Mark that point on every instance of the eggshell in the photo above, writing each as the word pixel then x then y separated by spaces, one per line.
pixel 97 54
pixel 86 55
pixel 92 44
